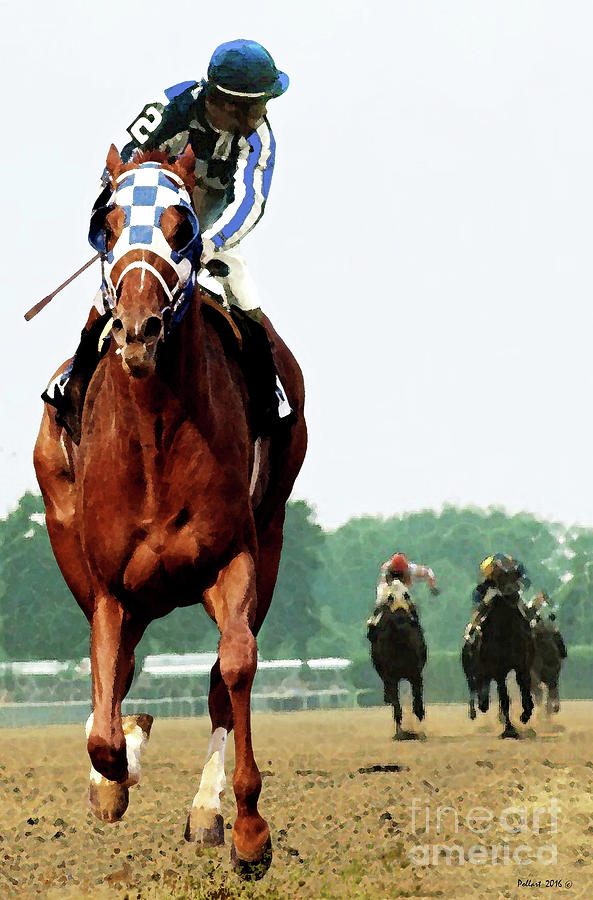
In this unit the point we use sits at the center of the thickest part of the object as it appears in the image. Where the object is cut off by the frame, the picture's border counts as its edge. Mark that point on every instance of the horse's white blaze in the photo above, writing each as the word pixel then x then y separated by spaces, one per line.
pixel 136 740
pixel 213 780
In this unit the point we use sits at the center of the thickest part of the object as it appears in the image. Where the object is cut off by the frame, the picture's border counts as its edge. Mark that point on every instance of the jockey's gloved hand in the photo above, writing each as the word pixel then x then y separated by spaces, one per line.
pixel 217 267
pixel 434 590
pixel 208 260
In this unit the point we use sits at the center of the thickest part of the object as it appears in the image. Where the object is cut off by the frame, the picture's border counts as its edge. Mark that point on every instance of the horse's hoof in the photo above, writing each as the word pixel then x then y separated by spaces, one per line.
pixel 252 870
pixel 419 712
pixel 204 828
pixel 510 732
pixel 525 716
pixel 408 736
pixel 108 800
pixel 472 714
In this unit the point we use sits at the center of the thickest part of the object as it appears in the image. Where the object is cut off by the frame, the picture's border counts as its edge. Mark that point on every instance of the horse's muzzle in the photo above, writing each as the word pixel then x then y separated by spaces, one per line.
pixel 137 344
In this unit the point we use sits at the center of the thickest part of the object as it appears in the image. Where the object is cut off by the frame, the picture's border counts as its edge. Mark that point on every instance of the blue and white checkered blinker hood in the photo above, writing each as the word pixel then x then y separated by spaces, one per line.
pixel 144 194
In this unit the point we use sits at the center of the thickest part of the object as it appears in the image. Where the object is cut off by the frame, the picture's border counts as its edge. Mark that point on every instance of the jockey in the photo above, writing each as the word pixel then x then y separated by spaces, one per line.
pixel 223 118
pixel 395 578
pixel 501 574
pixel 535 607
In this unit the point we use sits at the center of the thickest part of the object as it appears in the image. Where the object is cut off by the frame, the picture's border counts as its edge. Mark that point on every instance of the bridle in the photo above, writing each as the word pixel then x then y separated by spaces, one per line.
pixel 144 193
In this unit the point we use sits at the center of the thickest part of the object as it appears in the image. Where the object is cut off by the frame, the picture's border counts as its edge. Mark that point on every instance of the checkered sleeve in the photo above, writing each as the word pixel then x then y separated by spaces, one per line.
pixel 250 189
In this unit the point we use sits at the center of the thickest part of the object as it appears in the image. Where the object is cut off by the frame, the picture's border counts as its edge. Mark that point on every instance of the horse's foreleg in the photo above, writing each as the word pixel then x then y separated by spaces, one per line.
pixel 233 602
pixel 505 706
pixel 115 754
pixel 397 708
pixel 205 823
pixel 524 682
pixel 472 698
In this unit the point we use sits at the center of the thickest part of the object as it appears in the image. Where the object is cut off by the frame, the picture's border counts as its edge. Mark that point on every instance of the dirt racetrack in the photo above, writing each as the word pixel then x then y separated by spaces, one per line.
pixel 338 794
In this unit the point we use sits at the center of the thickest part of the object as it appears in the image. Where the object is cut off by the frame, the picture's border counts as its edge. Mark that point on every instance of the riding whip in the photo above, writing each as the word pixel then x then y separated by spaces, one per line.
pixel 30 314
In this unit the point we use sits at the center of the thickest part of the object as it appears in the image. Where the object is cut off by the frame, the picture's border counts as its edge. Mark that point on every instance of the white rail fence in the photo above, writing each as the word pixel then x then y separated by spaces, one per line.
pixel 176 685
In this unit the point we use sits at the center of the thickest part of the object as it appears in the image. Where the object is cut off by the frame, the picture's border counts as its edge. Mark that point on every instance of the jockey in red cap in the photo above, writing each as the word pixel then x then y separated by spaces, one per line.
pixel 396 577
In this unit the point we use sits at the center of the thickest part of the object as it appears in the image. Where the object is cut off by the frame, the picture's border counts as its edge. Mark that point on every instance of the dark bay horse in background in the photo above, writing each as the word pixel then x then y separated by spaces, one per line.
pixel 168 502
pixel 398 652
pixel 504 644
pixel 550 651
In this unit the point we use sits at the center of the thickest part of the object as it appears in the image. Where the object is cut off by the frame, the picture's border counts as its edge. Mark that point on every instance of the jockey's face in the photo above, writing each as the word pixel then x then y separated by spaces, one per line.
pixel 236 114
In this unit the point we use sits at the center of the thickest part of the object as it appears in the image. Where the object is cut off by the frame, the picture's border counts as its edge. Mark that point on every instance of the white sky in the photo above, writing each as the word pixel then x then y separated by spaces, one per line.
pixel 426 248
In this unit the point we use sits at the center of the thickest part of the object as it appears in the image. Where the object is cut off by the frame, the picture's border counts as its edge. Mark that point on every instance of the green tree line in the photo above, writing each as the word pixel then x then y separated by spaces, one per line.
pixel 326 584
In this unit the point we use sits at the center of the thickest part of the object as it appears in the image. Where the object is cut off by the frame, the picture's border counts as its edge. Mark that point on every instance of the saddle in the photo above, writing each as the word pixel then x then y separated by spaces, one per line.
pixel 240 335
pixel 395 598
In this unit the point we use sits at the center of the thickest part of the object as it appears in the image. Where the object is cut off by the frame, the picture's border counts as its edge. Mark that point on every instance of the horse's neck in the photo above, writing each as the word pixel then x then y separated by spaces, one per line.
pixel 178 389
pixel 184 365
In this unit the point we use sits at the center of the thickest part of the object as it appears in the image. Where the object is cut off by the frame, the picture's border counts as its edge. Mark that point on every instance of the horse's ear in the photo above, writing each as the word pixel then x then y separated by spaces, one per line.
pixel 185 166
pixel 114 162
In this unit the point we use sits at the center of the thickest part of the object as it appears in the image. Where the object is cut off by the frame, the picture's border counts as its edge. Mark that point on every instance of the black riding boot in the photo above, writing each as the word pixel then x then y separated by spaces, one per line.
pixel 69 399
pixel 259 370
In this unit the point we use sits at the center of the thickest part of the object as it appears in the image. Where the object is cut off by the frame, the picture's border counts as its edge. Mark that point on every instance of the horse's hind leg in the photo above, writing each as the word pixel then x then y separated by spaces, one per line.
pixel 232 602
pixel 417 697
pixel 553 703
pixel 484 695
pixel 524 682
pixel 114 745
pixel 505 705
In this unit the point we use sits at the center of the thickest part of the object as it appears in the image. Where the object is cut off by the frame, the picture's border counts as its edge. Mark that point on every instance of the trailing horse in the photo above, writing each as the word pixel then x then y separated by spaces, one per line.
pixel 550 651
pixel 502 644
pixel 398 651
pixel 167 501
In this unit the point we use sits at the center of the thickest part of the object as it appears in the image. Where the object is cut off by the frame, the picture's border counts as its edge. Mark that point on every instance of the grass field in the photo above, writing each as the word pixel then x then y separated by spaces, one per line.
pixel 337 792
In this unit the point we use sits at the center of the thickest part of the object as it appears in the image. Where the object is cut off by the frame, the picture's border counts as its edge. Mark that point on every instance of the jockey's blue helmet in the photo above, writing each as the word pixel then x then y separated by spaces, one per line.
pixel 245 69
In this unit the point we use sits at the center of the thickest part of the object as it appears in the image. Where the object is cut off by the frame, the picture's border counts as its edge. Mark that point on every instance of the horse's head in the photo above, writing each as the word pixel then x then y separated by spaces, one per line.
pixel 148 235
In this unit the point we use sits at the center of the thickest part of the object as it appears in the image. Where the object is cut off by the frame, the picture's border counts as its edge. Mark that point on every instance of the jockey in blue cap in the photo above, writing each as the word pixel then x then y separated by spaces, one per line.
pixel 223 117
pixel 224 120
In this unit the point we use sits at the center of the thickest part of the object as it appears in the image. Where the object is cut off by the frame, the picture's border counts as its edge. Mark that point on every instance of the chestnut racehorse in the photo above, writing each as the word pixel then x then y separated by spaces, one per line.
pixel 168 502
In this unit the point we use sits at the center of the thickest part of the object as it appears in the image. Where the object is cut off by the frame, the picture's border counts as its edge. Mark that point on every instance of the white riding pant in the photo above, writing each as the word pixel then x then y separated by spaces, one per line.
pixel 238 287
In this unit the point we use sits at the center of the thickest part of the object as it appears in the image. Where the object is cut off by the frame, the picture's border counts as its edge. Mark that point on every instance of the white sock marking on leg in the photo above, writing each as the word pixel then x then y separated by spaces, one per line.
pixel 213 780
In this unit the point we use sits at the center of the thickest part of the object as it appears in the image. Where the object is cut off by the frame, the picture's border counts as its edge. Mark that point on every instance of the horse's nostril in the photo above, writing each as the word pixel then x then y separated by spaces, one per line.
pixel 152 327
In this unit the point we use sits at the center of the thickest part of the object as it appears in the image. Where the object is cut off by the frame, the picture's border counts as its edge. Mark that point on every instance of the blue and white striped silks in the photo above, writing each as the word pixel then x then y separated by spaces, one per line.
pixel 143 194
pixel 251 184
